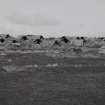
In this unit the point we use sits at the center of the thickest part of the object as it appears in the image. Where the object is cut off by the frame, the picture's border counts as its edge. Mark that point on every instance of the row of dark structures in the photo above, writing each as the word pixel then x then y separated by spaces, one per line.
pixel 38 42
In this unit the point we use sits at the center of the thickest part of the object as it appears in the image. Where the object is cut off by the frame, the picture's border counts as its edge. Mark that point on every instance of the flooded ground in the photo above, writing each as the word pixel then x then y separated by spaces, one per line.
pixel 37 79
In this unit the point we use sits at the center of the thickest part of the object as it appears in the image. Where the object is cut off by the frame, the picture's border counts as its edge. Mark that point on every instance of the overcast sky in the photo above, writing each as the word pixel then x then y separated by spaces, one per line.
pixel 52 17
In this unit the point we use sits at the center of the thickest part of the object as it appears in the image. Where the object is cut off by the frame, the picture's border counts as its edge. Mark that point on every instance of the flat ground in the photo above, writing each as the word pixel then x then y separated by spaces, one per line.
pixel 75 81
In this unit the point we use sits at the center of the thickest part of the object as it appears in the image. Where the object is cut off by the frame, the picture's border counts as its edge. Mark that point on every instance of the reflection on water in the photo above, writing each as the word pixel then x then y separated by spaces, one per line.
pixel 13 68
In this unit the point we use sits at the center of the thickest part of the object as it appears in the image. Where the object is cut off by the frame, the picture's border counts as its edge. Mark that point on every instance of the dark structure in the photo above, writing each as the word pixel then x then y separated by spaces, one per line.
pixel 14 41
pixel 64 39
pixel 2 40
pixel 24 38
pixel 41 37
pixel 37 41
pixel 57 43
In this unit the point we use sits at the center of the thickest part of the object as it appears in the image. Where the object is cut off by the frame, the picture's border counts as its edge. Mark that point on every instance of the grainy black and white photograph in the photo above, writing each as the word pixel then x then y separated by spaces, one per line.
pixel 52 52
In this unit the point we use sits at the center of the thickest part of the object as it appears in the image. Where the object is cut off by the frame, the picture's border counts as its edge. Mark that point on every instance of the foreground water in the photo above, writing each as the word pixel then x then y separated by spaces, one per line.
pixel 44 80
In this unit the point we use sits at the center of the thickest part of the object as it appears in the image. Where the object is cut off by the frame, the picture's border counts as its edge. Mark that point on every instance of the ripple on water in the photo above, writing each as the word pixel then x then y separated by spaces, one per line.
pixel 52 65
pixel 9 60
pixel 3 54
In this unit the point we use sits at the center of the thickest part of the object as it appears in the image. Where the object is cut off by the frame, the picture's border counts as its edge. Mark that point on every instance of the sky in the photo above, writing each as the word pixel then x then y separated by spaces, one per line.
pixel 52 17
